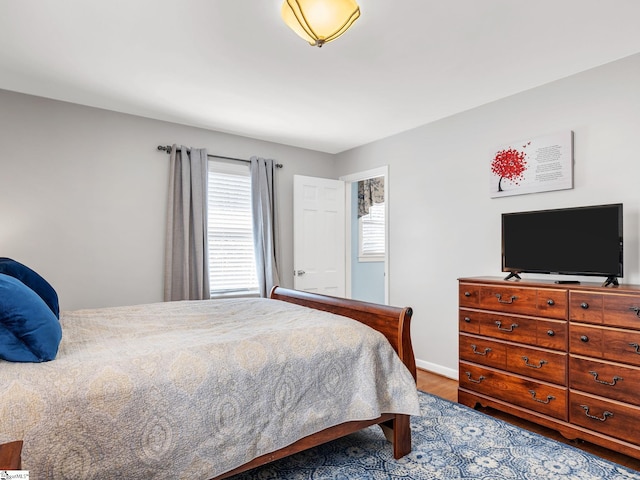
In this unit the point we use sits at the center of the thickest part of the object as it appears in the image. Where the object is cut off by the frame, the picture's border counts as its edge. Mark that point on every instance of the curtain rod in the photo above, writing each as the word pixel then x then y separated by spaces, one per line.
pixel 168 148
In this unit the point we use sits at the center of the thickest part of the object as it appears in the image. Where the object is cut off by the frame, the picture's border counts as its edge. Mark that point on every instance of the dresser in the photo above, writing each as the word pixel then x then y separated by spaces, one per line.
pixel 566 356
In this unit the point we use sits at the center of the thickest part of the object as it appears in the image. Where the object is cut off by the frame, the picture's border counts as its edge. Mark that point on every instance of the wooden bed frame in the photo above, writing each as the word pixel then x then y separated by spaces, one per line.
pixel 394 323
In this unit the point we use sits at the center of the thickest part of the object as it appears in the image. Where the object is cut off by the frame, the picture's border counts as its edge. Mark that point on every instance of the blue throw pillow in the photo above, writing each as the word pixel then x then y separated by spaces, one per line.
pixel 32 280
pixel 29 331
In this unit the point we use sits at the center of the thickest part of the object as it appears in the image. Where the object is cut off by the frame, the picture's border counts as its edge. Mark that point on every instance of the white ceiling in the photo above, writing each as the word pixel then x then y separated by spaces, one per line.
pixel 233 66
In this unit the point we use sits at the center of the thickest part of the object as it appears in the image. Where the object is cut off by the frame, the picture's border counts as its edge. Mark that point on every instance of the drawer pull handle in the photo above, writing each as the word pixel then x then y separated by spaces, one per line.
pixel 584 338
pixel 584 305
pixel 613 382
pixel 636 346
pixel 480 378
pixel 549 397
pixel 606 414
pixel 474 348
pixel 467 294
pixel 540 364
pixel 550 302
pixel 635 309
pixel 467 319
pixel 551 333
pixel 506 302
pixel 510 329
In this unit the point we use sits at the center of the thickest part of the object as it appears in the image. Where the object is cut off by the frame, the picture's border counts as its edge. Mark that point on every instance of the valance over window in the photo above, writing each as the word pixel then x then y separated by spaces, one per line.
pixel 370 191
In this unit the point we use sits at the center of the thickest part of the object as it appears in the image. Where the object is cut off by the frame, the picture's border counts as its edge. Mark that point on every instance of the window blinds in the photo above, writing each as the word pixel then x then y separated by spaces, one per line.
pixel 372 233
pixel 232 267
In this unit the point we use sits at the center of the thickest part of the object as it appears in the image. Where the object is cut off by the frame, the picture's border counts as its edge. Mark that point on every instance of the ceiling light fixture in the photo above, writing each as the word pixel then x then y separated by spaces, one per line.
pixel 320 21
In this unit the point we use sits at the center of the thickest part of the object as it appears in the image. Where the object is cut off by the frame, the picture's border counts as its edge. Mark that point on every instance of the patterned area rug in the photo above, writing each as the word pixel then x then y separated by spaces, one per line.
pixel 450 441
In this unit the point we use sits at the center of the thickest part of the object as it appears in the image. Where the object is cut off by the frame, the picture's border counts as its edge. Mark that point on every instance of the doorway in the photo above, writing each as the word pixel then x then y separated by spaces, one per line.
pixel 366 278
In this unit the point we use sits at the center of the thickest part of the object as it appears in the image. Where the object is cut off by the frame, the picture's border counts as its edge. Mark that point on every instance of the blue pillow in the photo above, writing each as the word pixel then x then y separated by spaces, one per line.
pixel 32 280
pixel 29 331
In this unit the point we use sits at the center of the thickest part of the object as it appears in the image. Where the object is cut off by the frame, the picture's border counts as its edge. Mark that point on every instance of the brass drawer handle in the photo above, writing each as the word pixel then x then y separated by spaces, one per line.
pixel 509 302
pixel 486 350
pixel 510 329
pixel 613 382
pixel 549 397
pixel 636 346
pixel 584 305
pixel 540 364
pixel 635 309
pixel 604 417
pixel 480 378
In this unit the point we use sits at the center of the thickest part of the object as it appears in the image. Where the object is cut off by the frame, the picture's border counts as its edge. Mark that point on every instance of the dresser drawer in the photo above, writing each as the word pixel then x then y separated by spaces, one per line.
pixel 585 307
pixel 528 330
pixel 585 340
pixel 540 364
pixel 551 303
pixel 483 351
pixel 468 295
pixel 622 311
pixel 607 343
pixel 621 346
pixel 468 322
pixel 609 417
pixel 611 380
pixel 552 334
pixel 541 397
pixel 508 327
pixel 612 310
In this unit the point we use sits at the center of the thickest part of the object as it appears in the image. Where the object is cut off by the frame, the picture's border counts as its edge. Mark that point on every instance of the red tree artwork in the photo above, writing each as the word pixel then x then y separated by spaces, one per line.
pixel 510 164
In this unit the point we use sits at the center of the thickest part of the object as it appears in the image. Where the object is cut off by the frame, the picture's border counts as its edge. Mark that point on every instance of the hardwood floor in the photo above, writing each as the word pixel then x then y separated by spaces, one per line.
pixel 448 389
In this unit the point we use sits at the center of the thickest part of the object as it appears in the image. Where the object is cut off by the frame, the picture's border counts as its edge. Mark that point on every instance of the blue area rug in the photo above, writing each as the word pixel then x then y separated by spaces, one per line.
pixel 450 441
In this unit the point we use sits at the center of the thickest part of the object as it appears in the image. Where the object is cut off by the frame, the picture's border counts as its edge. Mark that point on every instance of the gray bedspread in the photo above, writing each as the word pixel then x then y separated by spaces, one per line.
pixel 194 389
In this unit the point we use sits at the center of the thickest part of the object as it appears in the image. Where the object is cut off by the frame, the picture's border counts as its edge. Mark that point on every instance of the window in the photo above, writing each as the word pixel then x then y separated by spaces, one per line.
pixel 372 235
pixel 232 265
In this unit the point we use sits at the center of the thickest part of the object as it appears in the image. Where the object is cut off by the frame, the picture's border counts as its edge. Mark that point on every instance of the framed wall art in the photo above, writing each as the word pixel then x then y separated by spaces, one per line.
pixel 532 165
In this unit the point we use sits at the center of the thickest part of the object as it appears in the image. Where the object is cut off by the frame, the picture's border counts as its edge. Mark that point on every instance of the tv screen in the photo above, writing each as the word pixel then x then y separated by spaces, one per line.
pixel 572 241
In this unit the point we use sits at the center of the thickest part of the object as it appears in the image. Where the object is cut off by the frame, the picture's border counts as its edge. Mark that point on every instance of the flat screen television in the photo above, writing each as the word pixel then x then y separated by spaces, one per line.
pixel 570 241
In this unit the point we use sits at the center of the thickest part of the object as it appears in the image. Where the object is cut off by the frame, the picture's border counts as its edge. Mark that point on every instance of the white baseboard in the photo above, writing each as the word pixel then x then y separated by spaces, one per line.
pixel 439 369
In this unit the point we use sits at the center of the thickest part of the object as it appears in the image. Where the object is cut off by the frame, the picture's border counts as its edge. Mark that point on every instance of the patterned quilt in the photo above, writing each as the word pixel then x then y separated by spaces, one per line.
pixel 194 389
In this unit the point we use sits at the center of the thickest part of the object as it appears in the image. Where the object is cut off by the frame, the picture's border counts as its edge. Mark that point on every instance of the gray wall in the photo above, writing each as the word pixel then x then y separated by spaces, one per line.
pixel 443 225
pixel 83 195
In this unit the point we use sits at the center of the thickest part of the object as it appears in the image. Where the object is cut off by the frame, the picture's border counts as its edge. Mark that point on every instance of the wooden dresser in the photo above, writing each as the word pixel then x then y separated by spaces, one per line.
pixel 562 355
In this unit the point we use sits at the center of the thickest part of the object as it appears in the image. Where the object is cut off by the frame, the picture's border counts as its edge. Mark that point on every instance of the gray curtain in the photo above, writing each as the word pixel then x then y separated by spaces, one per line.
pixel 186 256
pixel 265 227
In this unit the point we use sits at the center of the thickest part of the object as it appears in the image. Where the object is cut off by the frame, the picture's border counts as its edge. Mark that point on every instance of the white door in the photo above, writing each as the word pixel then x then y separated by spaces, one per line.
pixel 319 235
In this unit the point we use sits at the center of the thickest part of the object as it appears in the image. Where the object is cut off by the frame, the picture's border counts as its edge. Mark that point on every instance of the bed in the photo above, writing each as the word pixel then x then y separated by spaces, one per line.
pixel 207 389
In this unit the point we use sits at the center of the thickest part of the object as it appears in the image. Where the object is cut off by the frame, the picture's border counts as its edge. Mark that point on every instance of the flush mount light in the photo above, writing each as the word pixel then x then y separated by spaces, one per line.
pixel 320 21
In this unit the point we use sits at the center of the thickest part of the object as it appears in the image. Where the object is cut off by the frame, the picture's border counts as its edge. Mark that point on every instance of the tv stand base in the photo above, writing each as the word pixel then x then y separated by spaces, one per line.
pixel 513 275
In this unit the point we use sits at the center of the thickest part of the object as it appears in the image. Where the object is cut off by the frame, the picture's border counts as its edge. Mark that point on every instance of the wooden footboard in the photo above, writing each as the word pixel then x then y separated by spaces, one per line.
pixel 10 455
pixel 394 323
